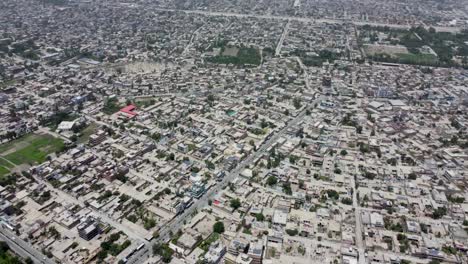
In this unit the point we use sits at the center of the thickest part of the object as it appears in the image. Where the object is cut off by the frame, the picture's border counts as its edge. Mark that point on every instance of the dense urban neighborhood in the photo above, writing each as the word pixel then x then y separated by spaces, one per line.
pixel 237 132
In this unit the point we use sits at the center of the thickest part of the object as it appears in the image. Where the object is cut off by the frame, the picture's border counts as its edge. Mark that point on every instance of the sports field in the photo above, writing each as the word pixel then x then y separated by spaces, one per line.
pixel 30 149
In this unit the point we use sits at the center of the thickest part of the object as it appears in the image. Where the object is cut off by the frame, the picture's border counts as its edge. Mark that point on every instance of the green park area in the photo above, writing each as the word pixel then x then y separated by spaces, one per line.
pixel 3 171
pixel 30 149
pixel 426 47
pixel 407 58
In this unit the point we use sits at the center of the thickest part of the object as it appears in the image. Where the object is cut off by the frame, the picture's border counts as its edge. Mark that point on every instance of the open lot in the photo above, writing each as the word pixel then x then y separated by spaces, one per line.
pixel 238 56
pixel 87 132
pixel 387 49
pixel 231 51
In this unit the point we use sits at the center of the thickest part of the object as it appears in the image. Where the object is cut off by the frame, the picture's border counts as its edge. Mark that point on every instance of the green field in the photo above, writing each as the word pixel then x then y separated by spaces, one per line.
pixel 7 83
pixel 3 171
pixel 409 58
pixel 5 167
pixel 143 103
pixel 30 149
pixel 6 164
pixel 422 59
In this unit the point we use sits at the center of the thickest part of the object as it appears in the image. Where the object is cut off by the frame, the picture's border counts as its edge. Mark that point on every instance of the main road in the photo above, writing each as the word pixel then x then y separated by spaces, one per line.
pixel 294 18
pixel 307 19
pixel 281 41
pixel 357 214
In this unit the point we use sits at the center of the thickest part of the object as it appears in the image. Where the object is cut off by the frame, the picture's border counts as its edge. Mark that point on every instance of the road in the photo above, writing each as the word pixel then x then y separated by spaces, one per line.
pixel 283 36
pixel 357 214
pixel 22 248
pixel 194 34
pixel 294 18
pixel 306 73
pixel 306 19
pixel 176 224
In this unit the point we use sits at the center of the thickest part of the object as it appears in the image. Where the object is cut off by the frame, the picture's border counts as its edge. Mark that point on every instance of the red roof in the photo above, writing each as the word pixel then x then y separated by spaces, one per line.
pixel 129 110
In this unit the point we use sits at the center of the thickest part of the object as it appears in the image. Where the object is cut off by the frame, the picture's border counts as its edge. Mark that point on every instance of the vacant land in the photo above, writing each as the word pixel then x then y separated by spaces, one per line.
pixel 386 49
pixel 231 51
pixel 111 106
pixel 144 102
pixel 243 56
pixel 30 149
pixel 86 133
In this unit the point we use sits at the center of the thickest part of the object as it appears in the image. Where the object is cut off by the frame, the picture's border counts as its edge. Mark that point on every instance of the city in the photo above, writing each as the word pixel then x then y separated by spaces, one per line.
pixel 237 132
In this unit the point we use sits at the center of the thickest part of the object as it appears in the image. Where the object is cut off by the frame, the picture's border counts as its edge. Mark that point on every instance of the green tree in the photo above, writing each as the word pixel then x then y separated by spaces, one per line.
pixel 359 129
pixel 292 232
pixel 4 247
pixel 260 217
pixel 272 180
pixel 218 227
pixel 102 254
pixel 347 201
pixel 235 203
pixel 164 251
pixel 287 188
pixel 297 102
pixel 333 194
pixel 439 212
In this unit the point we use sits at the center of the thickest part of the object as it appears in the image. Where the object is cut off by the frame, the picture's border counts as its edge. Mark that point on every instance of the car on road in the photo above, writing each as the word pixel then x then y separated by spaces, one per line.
pixel 220 175
pixel 140 246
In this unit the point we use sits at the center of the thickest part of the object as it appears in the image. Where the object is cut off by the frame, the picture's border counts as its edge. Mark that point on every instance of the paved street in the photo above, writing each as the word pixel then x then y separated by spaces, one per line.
pixel 358 234
pixel 305 19
pixel 283 36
